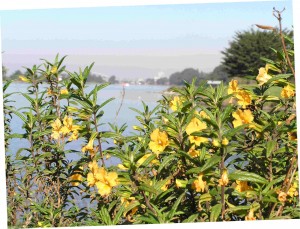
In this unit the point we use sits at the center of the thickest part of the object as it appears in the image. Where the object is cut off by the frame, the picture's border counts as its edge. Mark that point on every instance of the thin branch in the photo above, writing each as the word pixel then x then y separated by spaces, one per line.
pixel 277 14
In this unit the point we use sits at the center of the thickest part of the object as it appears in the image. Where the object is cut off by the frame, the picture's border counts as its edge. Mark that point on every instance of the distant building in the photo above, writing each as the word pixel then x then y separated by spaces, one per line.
pixel 214 82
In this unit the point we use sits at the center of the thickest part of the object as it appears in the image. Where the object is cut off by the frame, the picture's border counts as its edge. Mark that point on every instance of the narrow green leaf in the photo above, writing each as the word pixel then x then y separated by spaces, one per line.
pixel 247 176
pixel 165 162
pixel 175 206
pixel 270 146
pixel 215 212
pixel 191 218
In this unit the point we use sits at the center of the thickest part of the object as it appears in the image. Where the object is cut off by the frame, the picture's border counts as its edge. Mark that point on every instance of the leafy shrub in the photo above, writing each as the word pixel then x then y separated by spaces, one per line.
pixel 205 154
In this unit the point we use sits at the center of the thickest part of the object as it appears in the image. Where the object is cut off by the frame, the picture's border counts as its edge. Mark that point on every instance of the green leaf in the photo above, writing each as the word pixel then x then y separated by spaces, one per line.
pixel 118 215
pixel 148 188
pixel 165 162
pixel 215 212
pixel 270 146
pixel 209 163
pixel 212 118
pixel 247 176
pixel 147 161
pixel 232 132
pixel 105 217
pixel 19 115
pixel 191 218
pixel 278 77
pixel 106 102
pixel 175 206
pixel 239 208
pixel 272 183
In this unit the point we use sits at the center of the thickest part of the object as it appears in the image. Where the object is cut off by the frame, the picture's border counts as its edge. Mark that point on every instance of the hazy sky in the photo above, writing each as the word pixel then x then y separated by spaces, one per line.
pixel 132 41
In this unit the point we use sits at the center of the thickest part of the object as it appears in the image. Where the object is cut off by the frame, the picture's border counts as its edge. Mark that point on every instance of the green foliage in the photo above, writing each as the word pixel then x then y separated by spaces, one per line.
pixel 203 154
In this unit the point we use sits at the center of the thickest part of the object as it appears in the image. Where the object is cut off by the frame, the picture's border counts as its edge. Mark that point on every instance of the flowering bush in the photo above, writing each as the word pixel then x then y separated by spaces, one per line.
pixel 206 154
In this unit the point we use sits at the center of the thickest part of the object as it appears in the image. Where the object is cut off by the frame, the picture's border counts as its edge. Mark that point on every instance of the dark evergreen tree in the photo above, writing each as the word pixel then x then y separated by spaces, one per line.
pixel 243 56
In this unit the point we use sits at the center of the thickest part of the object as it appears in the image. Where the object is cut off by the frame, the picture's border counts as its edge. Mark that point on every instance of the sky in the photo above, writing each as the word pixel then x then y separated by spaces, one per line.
pixel 132 41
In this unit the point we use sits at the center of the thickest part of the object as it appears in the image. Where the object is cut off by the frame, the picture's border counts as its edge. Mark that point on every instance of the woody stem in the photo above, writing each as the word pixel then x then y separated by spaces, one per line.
pixel 279 18
pixel 222 187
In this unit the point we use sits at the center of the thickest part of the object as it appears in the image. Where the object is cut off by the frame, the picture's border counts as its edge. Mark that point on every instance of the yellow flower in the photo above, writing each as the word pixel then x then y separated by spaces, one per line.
pixel 24 79
pixel 91 179
pixel 216 142
pixel 293 190
pixel 93 166
pixel 233 87
pixel 53 70
pixel 242 186
pixel 263 76
pixel 89 147
pixel 105 181
pixel 165 186
pixel 128 201
pixel 242 117
pixel 49 92
pixel 198 140
pixel 194 126
pixel 225 142
pixel 244 98
pixel 165 120
pixel 68 125
pixel 282 196
pixel 64 91
pixel 250 215
pixel 159 141
pixel 287 92
pixel 292 136
pixel 75 178
pixel 56 129
pixel 204 115
pixel 176 103
pixel 224 178
pixel 193 153
pixel 199 184
pixel 74 136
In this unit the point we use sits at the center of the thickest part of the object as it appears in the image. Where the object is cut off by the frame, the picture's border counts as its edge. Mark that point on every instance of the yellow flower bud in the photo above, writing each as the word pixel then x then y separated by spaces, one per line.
pixel 180 183
pixel 122 167
pixel 250 216
pixel 224 178
pixel 53 70
pixel 225 142
pixel 282 196
pixel 24 79
pixel 216 143
pixel 64 91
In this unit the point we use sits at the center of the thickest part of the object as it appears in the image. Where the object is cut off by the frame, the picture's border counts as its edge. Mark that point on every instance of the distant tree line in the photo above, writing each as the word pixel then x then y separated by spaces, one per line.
pixel 91 78
pixel 242 58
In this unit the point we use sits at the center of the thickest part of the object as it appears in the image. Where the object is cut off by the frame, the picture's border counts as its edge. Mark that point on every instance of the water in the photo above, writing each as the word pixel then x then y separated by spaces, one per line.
pixel 134 94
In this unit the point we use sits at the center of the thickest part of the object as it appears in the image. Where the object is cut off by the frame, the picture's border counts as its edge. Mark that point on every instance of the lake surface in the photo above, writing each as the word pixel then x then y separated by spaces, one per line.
pixel 134 94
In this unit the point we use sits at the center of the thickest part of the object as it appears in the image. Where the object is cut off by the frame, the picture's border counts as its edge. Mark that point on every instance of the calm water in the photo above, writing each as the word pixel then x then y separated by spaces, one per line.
pixel 134 94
